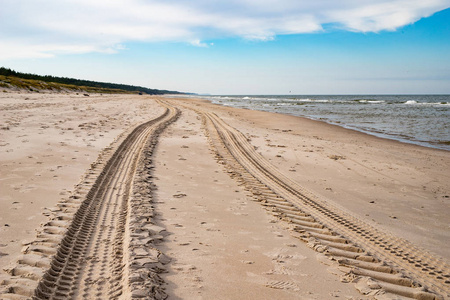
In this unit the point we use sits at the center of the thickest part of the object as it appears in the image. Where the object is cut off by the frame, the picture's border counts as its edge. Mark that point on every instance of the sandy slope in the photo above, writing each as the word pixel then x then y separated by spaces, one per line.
pixel 221 244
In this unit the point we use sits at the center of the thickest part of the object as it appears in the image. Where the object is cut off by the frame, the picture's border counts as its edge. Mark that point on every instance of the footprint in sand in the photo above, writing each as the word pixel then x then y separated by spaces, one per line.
pixel 283 285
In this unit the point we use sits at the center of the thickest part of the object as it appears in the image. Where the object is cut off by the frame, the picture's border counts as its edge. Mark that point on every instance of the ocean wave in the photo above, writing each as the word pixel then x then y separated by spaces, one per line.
pixel 371 101
pixel 414 102
pixel 410 102
pixel 306 100
pixel 286 101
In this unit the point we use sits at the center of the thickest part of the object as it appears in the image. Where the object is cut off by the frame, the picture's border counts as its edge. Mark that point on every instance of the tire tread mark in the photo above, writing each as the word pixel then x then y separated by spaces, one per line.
pixel 356 239
pixel 65 268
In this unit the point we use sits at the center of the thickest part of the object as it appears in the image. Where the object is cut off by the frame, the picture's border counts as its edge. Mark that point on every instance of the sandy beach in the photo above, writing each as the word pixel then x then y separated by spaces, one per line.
pixel 213 202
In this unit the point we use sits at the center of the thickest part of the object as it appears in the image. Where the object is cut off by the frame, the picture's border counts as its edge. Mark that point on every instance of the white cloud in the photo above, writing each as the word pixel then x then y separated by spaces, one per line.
pixel 198 43
pixel 43 28
pixel 21 49
pixel 384 15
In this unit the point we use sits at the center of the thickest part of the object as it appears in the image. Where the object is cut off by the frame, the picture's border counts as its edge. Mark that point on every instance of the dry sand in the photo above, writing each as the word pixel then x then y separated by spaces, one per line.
pixel 400 187
pixel 47 143
pixel 222 244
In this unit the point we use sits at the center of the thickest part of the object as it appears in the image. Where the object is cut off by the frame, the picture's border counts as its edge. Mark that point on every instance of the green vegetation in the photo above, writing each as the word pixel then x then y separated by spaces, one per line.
pixel 37 85
pixel 33 82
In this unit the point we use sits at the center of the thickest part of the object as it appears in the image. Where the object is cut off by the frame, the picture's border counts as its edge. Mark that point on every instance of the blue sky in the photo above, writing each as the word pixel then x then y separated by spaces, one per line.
pixel 235 47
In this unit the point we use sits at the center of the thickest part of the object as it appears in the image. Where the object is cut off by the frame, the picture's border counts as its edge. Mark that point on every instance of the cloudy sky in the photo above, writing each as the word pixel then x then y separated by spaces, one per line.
pixel 235 46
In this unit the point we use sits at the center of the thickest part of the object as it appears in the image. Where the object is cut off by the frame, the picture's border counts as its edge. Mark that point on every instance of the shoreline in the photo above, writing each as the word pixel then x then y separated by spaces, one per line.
pixel 380 135
pixel 383 135
pixel 374 134
pixel 438 144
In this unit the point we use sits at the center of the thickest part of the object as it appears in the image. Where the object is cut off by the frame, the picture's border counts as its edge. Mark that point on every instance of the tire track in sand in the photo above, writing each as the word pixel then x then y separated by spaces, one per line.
pixel 379 262
pixel 91 261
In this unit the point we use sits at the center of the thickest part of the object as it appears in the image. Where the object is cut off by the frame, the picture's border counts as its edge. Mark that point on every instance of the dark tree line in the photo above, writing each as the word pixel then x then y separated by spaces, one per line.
pixel 88 83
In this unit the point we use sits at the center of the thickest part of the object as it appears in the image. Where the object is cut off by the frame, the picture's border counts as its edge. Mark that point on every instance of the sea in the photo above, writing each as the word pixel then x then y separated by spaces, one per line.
pixel 418 119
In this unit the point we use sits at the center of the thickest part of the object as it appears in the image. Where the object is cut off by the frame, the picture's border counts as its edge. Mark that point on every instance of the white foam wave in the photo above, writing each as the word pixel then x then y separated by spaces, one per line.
pixel 414 102
pixel 410 102
pixel 372 101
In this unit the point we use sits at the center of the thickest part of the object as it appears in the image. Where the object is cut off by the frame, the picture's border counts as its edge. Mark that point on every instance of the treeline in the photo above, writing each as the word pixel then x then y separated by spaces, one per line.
pixel 85 83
